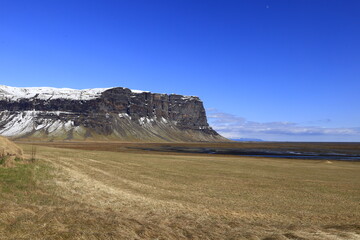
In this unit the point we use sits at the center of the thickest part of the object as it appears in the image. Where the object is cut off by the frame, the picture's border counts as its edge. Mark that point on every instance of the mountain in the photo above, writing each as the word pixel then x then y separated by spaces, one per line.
pixel 117 113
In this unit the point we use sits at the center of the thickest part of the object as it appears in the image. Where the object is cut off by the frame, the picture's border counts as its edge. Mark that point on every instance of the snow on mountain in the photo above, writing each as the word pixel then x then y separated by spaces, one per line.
pixel 117 113
pixel 47 93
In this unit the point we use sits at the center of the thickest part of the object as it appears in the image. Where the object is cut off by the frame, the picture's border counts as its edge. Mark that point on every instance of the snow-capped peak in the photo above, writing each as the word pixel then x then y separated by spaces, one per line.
pixel 46 93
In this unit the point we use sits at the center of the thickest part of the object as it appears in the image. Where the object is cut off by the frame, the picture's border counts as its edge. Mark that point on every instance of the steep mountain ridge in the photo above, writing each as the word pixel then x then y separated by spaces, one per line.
pixel 102 114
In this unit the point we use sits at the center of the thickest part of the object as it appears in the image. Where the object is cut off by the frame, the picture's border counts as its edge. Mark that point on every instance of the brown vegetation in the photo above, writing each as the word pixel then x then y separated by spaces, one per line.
pixel 9 151
pixel 130 194
pixel 135 147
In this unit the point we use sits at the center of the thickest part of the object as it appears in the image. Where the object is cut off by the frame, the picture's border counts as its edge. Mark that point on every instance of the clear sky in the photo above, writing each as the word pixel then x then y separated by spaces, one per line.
pixel 284 70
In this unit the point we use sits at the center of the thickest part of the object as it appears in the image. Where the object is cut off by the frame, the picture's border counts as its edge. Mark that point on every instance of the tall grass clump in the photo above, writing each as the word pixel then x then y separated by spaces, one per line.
pixel 2 160
pixel 33 154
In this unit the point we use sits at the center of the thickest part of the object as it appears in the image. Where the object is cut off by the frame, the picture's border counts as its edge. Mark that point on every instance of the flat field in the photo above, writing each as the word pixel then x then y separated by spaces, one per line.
pixel 119 191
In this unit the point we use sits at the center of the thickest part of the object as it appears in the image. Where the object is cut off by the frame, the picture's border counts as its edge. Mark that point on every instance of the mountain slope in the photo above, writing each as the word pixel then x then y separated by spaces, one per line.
pixel 102 114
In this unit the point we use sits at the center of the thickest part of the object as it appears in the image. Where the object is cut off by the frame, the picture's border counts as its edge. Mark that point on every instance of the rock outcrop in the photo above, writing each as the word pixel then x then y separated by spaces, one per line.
pixel 102 114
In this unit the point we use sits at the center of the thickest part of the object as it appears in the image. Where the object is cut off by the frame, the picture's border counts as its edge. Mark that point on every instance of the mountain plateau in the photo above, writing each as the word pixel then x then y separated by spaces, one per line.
pixel 117 113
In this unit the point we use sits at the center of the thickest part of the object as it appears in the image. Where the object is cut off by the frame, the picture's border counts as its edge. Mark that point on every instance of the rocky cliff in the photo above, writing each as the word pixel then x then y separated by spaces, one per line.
pixel 102 114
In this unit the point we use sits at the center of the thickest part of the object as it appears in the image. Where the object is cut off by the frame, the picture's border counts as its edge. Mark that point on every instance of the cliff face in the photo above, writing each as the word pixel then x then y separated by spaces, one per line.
pixel 99 114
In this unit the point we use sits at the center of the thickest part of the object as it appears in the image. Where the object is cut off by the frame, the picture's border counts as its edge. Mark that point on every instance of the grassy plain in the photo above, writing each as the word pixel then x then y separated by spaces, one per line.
pixel 126 193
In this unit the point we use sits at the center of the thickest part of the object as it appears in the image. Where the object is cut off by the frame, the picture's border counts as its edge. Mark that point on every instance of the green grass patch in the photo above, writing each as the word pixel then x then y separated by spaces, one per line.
pixel 23 182
pixel 19 178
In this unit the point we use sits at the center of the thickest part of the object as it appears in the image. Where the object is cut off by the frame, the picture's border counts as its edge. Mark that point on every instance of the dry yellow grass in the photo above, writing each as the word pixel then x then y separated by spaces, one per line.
pixel 79 194
pixel 8 148
pixel 9 151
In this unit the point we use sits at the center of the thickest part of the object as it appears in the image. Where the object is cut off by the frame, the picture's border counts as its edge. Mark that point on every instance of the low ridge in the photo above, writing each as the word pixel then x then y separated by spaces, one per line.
pixel 102 114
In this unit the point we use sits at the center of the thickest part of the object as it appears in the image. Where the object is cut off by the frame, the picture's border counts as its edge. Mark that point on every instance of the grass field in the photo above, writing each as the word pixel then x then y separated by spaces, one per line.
pixel 124 193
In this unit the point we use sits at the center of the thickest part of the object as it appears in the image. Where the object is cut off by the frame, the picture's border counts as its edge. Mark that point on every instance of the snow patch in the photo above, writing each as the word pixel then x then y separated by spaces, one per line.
pixel 25 122
pixel 150 121
pixel 164 120
pixel 142 120
pixel 138 91
pixel 20 124
pixel 54 126
pixel 124 115
pixel 47 93
pixel 188 97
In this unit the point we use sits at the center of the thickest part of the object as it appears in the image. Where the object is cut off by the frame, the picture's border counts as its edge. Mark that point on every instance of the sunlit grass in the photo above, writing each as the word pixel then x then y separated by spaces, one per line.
pixel 79 194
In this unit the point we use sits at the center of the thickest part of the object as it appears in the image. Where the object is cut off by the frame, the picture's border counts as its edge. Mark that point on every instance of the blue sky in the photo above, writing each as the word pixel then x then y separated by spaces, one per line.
pixel 276 70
